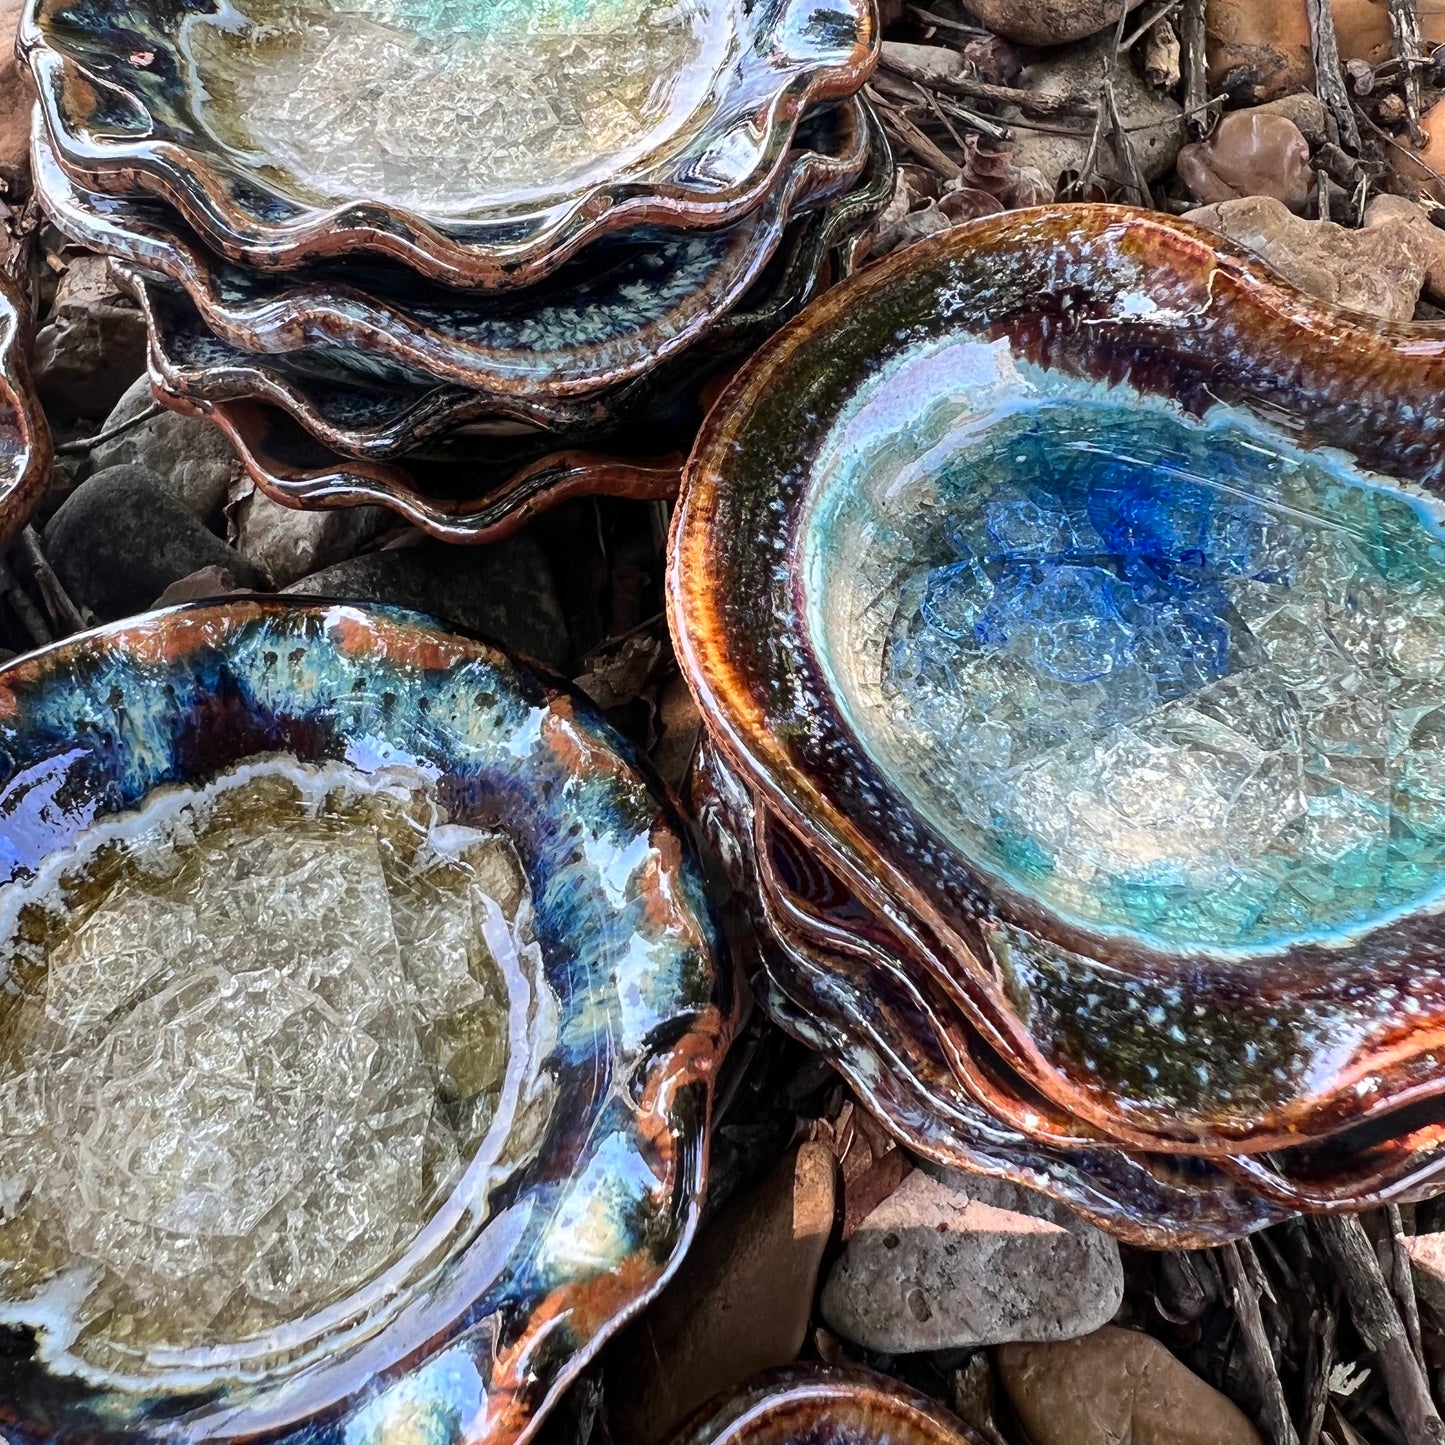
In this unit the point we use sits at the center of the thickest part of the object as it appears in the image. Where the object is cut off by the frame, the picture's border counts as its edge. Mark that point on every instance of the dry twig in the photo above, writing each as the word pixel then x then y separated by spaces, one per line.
pixel 1245 1295
pixel 1329 78
pixel 1405 37
pixel 1377 1318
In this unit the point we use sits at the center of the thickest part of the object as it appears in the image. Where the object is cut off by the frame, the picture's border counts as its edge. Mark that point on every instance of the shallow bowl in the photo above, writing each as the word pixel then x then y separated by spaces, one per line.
pixel 832 1406
pixel 587 1189
pixel 479 147
pixel 972 578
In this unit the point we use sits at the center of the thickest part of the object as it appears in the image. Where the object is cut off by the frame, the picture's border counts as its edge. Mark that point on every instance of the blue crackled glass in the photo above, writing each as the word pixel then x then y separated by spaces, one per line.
pixel 1168 679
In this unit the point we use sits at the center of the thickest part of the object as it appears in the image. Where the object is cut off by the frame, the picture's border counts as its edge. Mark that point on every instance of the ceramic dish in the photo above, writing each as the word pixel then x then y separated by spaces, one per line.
pixel 1066 486
pixel 118 752
pixel 387 410
pixel 610 316
pixel 25 448
pixel 467 489
pixel 478 147
pixel 826 1406
pixel 929 1076
pixel 473 486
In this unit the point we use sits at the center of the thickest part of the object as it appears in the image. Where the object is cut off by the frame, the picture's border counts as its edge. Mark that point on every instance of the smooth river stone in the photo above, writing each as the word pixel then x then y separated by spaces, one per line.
pixel 1165 679
pixel 252 1045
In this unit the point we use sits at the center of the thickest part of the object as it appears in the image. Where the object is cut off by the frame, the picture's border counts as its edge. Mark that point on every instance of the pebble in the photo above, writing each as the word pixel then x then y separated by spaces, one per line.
pixel 93 346
pixel 190 455
pixel 288 544
pixel 1115 1385
pixel 1379 270
pixel 1258 50
pixel 122 538
pixel 1077 72
pixel 1048 22
pixel 1250 153
pixel 965 1261
pixel 1427 1264
pixel 740 1303
pixel 16 98
pixel 504 591
pixel 1387 210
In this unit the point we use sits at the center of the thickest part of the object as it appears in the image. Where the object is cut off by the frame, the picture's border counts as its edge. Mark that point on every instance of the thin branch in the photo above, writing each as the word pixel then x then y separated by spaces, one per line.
pixel 1163 13
pixel 1377 1319
pixel 85 444
pixel 1405 40
pixel 1329 78
pixel 970 89
pixel 62 610
pixel 1277 1423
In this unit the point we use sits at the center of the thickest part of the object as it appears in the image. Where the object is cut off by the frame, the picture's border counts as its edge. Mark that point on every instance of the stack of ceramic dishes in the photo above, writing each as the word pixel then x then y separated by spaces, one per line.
pixel 426 254
pixel 1066 602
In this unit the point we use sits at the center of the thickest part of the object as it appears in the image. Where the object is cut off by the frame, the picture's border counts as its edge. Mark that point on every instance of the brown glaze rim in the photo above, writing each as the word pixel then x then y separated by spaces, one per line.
pixel 20 410
pixel 847 1405
pixel 515 249
pixel 1330 365
pixel 503 508
pixel 321 312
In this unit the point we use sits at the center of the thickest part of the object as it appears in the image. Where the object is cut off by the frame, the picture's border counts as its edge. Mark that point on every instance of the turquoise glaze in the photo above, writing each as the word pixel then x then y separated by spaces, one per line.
pixel 1175 680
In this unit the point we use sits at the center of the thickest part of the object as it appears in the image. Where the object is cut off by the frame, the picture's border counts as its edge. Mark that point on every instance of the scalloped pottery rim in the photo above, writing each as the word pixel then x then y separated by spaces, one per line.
pixel 496 499
pixel 25 446
pixel 825 1405
pixel 409 163
pixel 614 314
pixel 905 376
pixel 631 1011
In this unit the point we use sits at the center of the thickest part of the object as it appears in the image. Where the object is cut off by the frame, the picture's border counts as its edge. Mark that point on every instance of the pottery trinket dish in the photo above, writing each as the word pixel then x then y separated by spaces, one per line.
pixel 1068 585
pixel 362 1010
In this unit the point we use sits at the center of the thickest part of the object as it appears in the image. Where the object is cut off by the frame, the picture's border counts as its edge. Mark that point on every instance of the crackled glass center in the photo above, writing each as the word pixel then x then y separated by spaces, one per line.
pixel 449 106
pixel 1160 677
pixel 251 1040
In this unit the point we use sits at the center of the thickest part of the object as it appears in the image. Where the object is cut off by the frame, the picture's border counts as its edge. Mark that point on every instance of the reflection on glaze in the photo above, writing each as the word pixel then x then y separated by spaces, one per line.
pixel 450 105
pixel 1176 680
pixel 253 1035
pixel 130 764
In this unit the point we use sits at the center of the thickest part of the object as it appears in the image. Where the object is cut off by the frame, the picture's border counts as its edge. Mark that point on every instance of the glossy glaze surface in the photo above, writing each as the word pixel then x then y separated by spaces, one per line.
pixel 25 448
pixel 831 972
pixel 595 1189
pixel 816 1405
pixel 467 490
pixel 608 317
pixel 484 146
pixel 1130 1033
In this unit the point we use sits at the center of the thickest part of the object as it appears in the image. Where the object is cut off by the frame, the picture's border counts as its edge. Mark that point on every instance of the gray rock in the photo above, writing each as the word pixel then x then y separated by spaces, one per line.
pixel 192 457
pixel 1048 22
pixel 287 544
pixel 967 1261
pixel 504 591
pixel 1077 72
pixel 122 538
pixel 93 346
